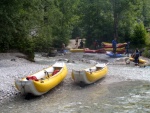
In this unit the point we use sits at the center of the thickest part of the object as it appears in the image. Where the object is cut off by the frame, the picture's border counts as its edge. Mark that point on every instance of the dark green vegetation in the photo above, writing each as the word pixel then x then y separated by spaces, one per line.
pixel 38 25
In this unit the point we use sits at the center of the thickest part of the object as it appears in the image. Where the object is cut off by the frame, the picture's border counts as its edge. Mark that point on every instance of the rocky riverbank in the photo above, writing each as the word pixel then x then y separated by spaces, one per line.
pixel 13 66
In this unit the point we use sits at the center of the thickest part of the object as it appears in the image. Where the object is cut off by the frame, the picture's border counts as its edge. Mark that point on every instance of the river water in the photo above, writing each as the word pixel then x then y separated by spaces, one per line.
pixel 125 89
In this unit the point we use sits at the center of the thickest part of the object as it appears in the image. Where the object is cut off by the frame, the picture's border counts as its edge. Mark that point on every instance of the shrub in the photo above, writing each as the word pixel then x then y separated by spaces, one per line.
pixel 139 36
pixel 27 47
pixel 146 53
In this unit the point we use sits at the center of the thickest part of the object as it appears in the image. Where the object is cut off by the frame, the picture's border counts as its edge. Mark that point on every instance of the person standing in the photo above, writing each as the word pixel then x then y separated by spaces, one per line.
pixel 81 44
pixel 114 45
pixel 136 56
pixel 127 49
pixel 95 43
pixel 76 43
pixel 63 47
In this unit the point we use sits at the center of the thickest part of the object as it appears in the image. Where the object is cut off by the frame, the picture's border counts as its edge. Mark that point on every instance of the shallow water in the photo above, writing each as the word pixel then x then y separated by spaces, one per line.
pixel 123 97
pixel 130 94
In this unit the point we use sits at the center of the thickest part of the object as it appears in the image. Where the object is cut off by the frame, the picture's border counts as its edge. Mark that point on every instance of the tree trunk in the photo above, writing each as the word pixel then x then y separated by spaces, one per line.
pixel 114 3
pixel 115 25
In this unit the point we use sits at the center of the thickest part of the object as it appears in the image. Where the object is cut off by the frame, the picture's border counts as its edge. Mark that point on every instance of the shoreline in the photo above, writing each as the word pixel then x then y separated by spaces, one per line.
pixel 13 67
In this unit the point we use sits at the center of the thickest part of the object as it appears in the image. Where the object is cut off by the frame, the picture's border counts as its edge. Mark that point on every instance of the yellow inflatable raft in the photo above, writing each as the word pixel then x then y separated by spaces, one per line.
pixel 140 60
pixel 118 49
pixel 42 81
pixel 107 43
pixel 76 50
pixel 90 75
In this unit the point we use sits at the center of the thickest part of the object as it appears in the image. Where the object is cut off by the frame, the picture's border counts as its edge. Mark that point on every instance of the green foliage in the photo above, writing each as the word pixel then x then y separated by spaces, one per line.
pixel 76 32
pixel 139 35
pixel 17 19
pixel 44 39
pixel 96 20
pixel 146 52
pixel 102 20
pixel 66 21
pixel 125 13
pixel 145 13
pixel 57 25
pixel 26 46
pixel 147 40
pixel 37 25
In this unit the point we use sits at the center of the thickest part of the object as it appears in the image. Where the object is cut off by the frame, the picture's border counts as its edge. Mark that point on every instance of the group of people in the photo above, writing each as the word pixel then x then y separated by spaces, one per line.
pixel 81 44
pixel 135 55
pixel 77 45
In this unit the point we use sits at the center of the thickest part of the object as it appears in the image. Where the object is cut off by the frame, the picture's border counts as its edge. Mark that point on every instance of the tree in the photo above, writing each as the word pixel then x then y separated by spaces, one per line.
pixel 96 20
pixel 145 13
pixel 66 21
pixel 139 35
pixel 58 20
pixel 125 12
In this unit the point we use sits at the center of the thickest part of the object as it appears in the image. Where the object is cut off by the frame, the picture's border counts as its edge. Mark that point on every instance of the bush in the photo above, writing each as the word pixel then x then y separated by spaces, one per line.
pixel 26 46
pixel 146 53
pixel 139 36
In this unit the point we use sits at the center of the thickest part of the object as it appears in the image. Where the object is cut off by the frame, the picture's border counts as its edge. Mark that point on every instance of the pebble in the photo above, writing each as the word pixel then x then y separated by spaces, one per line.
pixel 11 71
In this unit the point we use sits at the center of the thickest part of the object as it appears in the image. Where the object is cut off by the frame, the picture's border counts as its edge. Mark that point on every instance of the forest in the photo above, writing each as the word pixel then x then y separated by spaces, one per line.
pixel 37 25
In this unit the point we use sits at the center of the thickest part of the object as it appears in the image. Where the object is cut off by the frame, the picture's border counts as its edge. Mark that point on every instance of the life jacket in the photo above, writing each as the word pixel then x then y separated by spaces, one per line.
pixel 32 78
pixel 137 54
pixel 55 71
pixel 114 43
